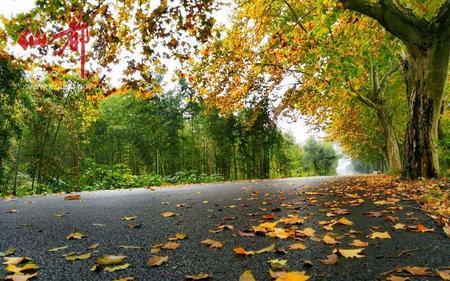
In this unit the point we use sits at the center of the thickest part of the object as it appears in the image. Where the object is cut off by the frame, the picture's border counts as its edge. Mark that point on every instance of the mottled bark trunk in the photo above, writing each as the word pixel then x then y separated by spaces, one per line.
pixel 425 74
pixel 391 150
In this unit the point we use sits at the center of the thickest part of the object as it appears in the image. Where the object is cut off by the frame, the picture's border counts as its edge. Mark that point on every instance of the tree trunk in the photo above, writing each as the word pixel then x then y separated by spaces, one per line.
pixel 391 149
pixel 425 75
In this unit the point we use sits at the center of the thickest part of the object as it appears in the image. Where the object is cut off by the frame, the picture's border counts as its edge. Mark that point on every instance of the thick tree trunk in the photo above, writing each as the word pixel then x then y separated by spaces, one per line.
pixel 391 150
pixel 425 74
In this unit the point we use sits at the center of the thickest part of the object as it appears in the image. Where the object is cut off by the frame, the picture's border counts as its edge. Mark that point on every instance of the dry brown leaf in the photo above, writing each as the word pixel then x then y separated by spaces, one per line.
pixel 169 214
pixel 297 246
pixel 171 246
pixel 212 243
pixel 72 197
pixel 331 259
pixel 423 228
pixel 157 260
pixel 415 270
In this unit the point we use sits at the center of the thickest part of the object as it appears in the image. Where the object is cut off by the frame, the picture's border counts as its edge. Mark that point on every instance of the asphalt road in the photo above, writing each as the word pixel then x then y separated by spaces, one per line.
pixel 34 230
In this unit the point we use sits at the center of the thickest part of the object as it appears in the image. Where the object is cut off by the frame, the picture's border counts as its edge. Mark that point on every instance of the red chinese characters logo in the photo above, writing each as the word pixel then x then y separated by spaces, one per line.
pixel 77 35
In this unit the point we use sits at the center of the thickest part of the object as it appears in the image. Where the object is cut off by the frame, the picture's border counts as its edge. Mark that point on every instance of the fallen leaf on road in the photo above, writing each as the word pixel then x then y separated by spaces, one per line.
pixel 397 278
pixel 247 276
pixel 331 259
pixel 110 260
pixel 212 243
pixel 444 274
pixel 169 214
pixel 72 197
pixel 75 235
pixel 199 276
pixel 171 246
pixel 58 248
pixel 415 270
pixel 296 246
pixel 116 268
pixel 308 232
pixel 131 218
pixel 344 221
pixel 423 228
pixel 59 215
pixel 129 247
pixel 12 211
pixel 351 253
pixel 359 243
pixel 16 268
pixel 157 260
pixel 20 277
pixel 380 235
pixel 400 226
pixel 329 240
pixel 94 246
pixel 291 276
pixel 277 264
pixel 75 256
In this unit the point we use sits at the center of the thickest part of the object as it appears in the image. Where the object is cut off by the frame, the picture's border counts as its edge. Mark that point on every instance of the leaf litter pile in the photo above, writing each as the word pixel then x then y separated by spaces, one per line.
pixel 292 225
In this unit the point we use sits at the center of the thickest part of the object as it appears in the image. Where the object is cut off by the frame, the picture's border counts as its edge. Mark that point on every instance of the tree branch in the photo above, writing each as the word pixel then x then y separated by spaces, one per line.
pixel 297 19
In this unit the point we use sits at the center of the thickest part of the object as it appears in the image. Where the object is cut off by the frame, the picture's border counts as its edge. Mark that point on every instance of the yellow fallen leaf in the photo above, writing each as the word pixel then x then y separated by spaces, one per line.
pixel 267 249
pixel 132 218
pixel 351 253
pixel 212 243
pixel 58 248
pixel 116 268
pixel 291 276
pixel 310 232
pixel 247 276
pixel 292 220
pixel 359 243
pixel 329 240
pixel 344 221
pixel 75 257
pixel 16 269
pixel 296 246
pixel 399 226
pixel 380 235
pixel 157 260
pixel 14 260
pixel 444 274
pixel 277 264
pixel 199 276
pixel 75 235
pixel 110 260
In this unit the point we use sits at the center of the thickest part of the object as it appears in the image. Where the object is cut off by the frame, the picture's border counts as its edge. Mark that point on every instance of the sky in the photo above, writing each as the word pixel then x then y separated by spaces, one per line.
pixel 297 128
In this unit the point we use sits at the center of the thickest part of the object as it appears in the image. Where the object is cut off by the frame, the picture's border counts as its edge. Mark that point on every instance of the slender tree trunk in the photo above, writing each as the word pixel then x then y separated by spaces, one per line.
pixel 425 75
pixel 391 150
